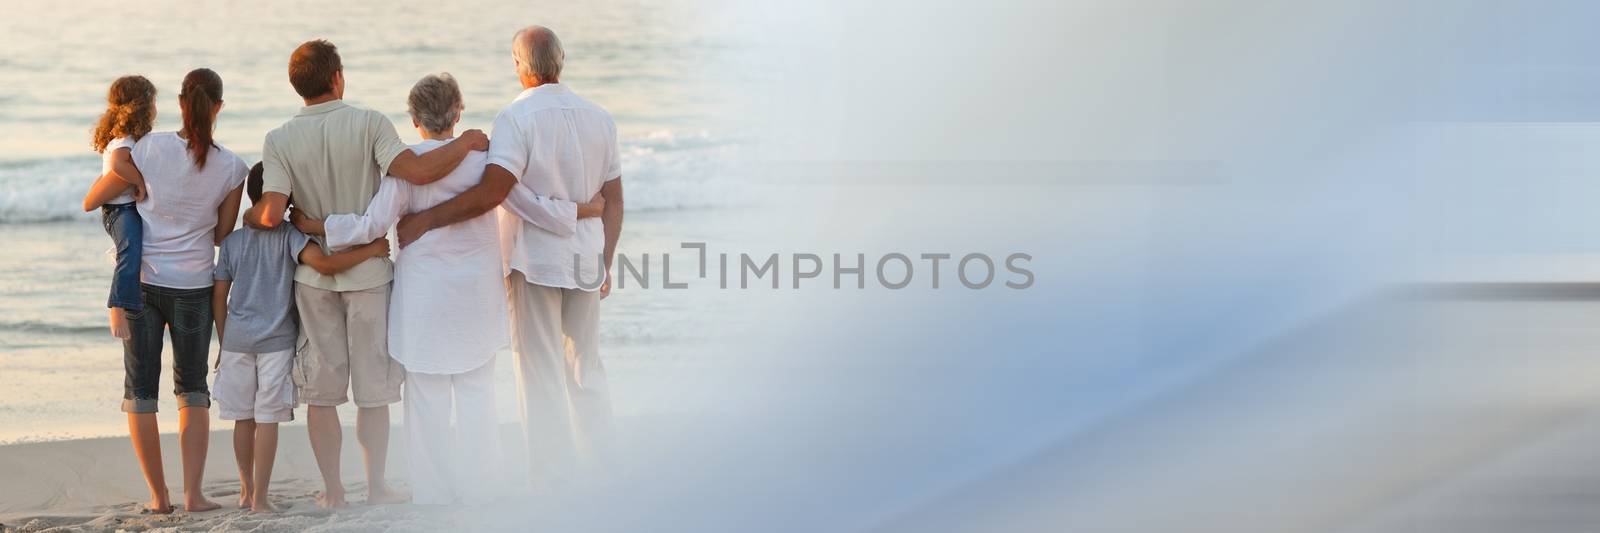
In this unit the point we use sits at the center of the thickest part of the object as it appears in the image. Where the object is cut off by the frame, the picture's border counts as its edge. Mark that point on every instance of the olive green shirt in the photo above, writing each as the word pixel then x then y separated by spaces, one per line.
pixel 329 159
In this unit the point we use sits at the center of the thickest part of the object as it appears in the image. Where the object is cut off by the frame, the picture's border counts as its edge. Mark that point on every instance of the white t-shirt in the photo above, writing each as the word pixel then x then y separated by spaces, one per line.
pixel 562 147
pixel 180 213
pixel 105 166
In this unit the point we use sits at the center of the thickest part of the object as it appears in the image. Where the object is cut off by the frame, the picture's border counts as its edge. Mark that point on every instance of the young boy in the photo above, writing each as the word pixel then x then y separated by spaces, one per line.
pixel 258 330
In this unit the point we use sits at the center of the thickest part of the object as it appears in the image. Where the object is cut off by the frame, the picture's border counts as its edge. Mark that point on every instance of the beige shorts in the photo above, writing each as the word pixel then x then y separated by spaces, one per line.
pixel 252 386
pixel 344 346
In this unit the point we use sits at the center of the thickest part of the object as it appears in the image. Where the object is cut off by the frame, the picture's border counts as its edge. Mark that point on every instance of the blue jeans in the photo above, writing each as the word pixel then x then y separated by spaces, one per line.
pixel 186 313
pixel 126 229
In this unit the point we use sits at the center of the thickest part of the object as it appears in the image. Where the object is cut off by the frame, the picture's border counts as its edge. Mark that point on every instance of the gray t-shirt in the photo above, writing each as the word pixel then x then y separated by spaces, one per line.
pixel 261 264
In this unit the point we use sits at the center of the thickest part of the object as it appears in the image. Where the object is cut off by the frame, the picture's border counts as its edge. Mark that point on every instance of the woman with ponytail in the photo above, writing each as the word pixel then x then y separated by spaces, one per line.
pixel 201 100
pixel 193 187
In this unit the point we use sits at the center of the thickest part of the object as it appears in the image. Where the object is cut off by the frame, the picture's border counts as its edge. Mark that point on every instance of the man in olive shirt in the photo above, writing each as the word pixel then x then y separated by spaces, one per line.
pixel 330 157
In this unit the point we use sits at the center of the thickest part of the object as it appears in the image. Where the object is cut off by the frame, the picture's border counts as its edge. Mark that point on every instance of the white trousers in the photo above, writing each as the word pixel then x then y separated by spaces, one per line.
pixel 459 464
pixel 561 384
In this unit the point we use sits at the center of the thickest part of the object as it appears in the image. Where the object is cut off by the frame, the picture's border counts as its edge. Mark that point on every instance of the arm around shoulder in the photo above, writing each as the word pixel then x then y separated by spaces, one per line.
pixel 267 213
pixel 488 193
pixel 276 186
pixel 435 164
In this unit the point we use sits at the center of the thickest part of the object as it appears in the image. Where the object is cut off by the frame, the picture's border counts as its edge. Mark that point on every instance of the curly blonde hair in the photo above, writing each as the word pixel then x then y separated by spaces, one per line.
pixel 130 111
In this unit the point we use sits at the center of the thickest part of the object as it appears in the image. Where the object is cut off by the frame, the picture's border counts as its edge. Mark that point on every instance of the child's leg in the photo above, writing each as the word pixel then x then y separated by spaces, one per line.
pixel 274 403
pixel 126 229
pixel 234 393
pixel 266 451
pixel 244 442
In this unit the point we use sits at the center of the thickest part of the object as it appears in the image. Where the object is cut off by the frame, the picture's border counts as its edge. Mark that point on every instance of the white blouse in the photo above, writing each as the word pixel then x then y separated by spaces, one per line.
pixel 180 215
pixel 447 312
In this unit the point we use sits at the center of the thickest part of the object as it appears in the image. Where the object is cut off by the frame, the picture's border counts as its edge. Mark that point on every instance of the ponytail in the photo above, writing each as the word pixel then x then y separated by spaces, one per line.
pixel 199 98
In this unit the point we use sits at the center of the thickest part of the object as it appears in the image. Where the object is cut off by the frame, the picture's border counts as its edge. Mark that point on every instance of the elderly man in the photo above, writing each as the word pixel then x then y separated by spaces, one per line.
pixel 330 157
pixel 560 146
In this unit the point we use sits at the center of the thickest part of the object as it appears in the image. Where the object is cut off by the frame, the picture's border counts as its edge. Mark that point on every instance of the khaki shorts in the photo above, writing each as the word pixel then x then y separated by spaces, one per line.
pixel 344 346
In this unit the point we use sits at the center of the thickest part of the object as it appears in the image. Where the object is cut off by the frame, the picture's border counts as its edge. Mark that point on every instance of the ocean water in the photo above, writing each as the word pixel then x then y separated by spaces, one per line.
pixel 666 70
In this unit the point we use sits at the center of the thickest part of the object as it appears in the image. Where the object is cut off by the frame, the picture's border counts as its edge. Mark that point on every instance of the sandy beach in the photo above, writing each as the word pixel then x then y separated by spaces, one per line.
pixel 1413 426
pixel 94 485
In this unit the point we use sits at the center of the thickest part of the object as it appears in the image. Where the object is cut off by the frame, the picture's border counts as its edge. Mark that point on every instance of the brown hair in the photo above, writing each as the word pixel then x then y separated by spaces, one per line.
pixel 200 96
pixel 312 66
pixel 130 111
pixel 252 183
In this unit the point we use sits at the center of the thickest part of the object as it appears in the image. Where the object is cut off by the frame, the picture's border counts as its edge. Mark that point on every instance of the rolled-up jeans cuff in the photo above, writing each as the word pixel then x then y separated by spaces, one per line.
pixel 194 399
pixel 146 405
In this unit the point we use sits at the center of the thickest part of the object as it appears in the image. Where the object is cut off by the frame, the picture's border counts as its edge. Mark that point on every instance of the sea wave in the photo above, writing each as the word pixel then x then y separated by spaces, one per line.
pixel 664 171
pixel 29 326
pixel 45 190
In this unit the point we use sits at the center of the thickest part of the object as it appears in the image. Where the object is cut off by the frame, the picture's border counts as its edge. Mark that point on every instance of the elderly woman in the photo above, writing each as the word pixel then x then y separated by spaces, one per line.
pixel 447 316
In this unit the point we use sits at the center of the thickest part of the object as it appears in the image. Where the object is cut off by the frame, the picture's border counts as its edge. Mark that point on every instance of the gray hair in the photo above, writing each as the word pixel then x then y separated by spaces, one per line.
pixel 539 53
pixel 435 102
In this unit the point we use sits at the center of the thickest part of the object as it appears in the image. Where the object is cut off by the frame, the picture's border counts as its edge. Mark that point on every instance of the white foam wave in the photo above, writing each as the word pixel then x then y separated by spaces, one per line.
pixel 46 190
pixel 663 170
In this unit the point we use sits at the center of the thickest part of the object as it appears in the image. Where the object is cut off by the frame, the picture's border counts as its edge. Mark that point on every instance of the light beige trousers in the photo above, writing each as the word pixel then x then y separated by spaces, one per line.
pixel 344 346
pixel 453 462
pixel 561 384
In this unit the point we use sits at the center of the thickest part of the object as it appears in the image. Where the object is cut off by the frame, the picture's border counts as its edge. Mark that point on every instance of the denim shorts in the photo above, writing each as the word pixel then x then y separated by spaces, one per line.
pixel 126 228
pixel 187 313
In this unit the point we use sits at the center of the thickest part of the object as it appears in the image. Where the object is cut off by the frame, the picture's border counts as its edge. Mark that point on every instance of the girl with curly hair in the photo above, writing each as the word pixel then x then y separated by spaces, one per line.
pixel 130 113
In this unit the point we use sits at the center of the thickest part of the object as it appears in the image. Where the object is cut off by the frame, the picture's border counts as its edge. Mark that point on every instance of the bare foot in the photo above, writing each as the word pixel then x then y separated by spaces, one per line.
pixel 328 500
pixel 384 494
pixel 244 500
pixel 199 505
pixel 158 505
pixel 157 508
pixel 119 323
pixel 263 506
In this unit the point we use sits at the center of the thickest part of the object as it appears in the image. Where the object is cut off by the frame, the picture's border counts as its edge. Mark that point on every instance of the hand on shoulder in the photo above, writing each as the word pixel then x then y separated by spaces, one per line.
pixel 476 140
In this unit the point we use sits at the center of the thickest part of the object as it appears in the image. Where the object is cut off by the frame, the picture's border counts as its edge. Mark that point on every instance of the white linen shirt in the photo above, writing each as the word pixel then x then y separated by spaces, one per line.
pixel 559 146
pixel 180 213
pixel 447 312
